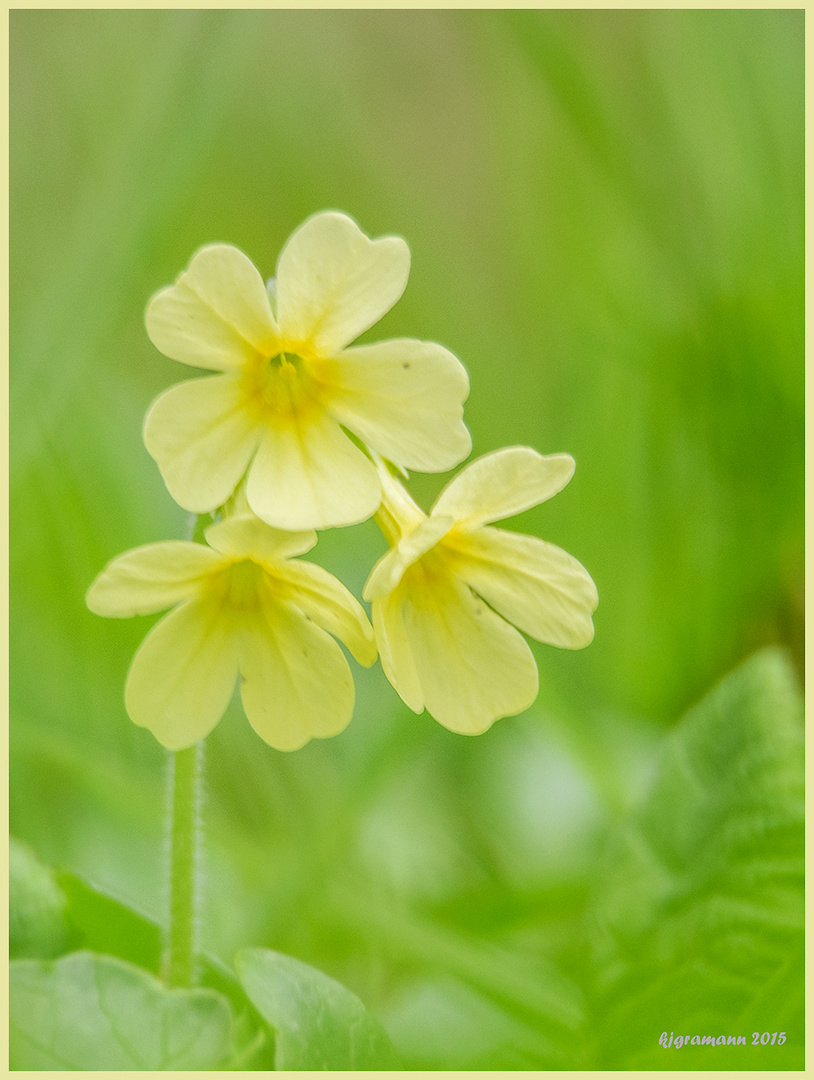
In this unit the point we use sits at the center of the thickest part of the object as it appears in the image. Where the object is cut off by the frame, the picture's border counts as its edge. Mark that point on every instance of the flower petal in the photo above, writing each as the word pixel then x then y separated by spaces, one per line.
pixel 325 600
pixel 203 439
pixel 183 675
pixel 333 282
pixel 537 586
pixel 150 578
pixel 309 475
pixel 503 483
pixel 296 684
pixel 389 570
pixel 404 398
pixel 217 314
pixel 247 537
pixel 394 650
pixel 473 666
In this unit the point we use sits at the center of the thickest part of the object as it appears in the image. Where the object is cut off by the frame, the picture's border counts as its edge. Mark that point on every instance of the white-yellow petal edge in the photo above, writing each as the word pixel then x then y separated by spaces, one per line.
pixel 389 570
pixel 473 667
pixel 150 578
pixel 247 537
pixel 331 606
pixel 503 483
pixel 404 398
pixel 333 282
pixel 217 315
pixel 535 585
pixel 202 439
pixel 394 650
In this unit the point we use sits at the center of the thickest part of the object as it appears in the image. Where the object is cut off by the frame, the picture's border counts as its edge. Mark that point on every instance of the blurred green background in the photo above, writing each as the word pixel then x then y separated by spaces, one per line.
pixel 605 212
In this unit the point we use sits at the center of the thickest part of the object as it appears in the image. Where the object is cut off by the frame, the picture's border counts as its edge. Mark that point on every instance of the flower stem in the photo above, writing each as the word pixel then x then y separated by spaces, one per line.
pixel 186 792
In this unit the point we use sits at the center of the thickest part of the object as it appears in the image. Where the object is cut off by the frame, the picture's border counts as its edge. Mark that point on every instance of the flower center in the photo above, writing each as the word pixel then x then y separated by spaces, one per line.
pixel 431 571
pixel 238 585
pixel 280 386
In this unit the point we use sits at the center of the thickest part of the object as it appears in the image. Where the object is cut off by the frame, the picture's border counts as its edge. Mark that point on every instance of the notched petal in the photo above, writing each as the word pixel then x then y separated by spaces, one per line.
pixel 202 438
pixel 296 683
pixel 394 650
pixel 333 282
pixel 150 578
pixel 473 667
pixel 217 314
pixel 309 475
pixel 502 484
pixel 404 398
pixel 537 586
pixel 183 675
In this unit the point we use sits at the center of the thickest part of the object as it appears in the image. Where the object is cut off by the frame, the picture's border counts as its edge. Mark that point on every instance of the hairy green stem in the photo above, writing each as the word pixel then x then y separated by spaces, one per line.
pixel 186 792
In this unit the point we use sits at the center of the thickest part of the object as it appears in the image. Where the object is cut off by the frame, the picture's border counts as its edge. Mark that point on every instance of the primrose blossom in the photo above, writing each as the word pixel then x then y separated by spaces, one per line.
pixel 289 388
pixel 240 603
pixel 447 596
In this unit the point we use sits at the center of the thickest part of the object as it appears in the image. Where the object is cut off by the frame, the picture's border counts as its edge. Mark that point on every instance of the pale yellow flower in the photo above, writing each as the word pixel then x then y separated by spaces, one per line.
pixel 239 604
pixel 445 594
pixel 289 384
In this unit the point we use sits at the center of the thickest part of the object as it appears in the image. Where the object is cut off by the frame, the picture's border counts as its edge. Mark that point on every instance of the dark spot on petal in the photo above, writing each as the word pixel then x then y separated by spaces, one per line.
pixel 406 364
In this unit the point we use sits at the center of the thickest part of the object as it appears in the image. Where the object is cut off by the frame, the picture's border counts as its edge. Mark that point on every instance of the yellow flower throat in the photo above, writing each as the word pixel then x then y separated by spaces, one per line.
pixel 238 586
pixel 280 386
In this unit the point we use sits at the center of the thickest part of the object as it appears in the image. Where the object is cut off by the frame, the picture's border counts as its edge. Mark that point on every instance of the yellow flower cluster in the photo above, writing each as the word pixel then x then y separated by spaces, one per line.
pixel 294 433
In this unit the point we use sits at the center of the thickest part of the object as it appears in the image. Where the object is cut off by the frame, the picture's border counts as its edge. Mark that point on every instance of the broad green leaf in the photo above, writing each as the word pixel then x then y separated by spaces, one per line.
pixel 103 924
pixel 37 926
pixel 318 1023
pixel 699 909
pixel 89 1012
pixel 252 1041
pixel 106 925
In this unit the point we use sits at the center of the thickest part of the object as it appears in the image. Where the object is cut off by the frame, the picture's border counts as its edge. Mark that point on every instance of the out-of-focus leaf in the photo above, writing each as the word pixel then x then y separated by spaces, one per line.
pixel 318 1023
pixel 442 1023
pixel 253 1043
pixel 102 923
pixel 535 991
pixel 699 909
pixel 89 1012
pixel 37 926
pixel 106 925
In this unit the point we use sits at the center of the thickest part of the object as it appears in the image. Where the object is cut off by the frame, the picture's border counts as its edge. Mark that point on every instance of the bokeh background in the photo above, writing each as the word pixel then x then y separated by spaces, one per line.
pixel 605 212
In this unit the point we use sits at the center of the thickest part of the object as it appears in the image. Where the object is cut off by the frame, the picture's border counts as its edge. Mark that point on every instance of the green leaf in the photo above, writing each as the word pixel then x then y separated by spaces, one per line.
pixel 253 1043
pixel 90 1012
pixel 105 925
pixel 318 1023
pixel 37 926
pixel 699 913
